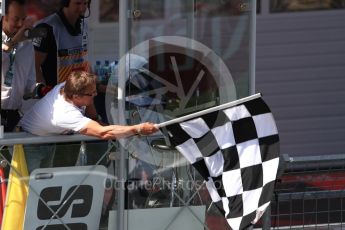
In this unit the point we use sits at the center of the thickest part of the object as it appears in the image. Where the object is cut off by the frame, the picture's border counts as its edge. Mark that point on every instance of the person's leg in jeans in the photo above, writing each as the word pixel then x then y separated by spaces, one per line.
pixel 39 156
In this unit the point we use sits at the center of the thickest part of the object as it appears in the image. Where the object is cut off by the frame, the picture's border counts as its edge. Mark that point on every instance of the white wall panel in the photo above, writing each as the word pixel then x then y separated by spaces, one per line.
pixel 301 73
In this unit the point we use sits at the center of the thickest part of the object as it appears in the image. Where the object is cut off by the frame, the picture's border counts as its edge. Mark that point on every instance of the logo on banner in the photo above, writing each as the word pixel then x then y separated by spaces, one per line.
pixel 79 202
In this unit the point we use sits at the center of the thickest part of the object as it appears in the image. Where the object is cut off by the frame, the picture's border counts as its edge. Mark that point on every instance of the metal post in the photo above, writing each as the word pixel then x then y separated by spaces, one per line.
pixel 252 48
pixel 123 47
pixel 2 12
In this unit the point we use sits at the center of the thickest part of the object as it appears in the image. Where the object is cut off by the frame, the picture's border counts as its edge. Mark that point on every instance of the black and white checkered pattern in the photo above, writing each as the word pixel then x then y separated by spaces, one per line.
pixel 236 150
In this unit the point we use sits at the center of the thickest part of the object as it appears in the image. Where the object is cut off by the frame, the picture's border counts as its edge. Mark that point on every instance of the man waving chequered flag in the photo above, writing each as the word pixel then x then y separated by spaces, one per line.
pixel 235 148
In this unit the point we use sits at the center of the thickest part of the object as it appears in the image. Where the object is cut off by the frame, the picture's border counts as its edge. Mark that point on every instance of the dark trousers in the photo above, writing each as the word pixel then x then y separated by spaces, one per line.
pixel 9 119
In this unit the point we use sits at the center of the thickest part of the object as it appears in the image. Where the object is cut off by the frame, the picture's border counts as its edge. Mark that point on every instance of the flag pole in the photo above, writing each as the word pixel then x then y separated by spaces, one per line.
pixel 209 110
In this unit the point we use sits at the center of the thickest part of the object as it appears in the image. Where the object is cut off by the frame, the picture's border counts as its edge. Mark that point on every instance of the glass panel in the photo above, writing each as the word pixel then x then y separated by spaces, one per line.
pixel 184 56
pixel 304 5
pixel 200 45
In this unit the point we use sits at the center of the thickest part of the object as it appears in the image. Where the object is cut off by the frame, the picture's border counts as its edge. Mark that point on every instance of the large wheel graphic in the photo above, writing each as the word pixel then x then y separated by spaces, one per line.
pixel 169 77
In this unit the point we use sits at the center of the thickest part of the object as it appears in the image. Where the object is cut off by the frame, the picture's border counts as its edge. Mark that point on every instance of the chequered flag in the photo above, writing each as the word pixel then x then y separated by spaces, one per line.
pixel 236 151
